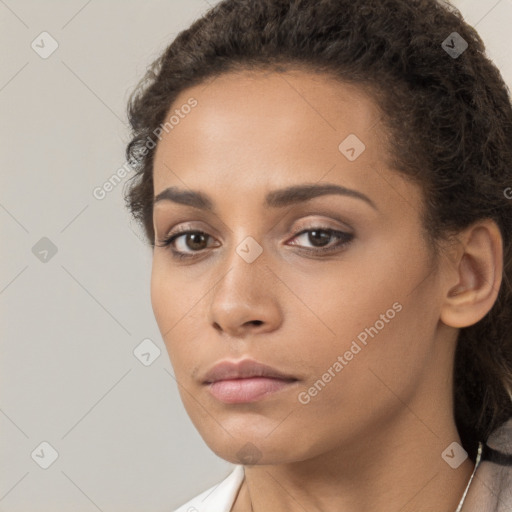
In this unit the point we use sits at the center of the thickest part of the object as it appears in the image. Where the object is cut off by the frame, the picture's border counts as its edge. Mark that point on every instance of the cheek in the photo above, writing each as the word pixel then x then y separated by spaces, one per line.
pixel 364 330
pixel 172 295
pixel 354 385
pixel 177 307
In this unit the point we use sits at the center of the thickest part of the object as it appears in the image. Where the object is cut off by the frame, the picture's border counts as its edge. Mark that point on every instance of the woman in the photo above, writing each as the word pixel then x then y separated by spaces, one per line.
pixel 324 185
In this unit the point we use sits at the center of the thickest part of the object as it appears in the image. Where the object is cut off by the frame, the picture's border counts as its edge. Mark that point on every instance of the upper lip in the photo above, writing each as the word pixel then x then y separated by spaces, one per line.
pixel 243 370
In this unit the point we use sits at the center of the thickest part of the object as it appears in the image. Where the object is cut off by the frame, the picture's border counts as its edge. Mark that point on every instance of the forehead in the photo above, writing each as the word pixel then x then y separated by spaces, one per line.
pixel 250 129
pixel 267 103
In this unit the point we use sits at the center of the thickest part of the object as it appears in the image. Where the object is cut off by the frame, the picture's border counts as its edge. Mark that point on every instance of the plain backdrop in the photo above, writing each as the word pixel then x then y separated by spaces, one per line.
pixel 74 273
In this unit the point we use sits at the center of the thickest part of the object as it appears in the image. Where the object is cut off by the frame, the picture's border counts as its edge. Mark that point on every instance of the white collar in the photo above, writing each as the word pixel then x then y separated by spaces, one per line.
pixel 218 498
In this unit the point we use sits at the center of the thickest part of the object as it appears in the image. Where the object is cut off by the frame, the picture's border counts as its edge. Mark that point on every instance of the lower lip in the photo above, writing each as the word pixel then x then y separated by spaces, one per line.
pixel 237 391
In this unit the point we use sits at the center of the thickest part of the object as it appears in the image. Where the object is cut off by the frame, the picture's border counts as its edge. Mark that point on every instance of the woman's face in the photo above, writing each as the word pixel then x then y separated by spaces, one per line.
pixel 357 326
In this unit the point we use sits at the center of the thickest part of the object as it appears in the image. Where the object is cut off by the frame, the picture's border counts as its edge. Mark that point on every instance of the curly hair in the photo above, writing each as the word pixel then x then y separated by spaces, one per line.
pixel 448 120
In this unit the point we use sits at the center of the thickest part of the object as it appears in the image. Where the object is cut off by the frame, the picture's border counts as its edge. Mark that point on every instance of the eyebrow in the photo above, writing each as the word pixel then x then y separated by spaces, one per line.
pixel 275 199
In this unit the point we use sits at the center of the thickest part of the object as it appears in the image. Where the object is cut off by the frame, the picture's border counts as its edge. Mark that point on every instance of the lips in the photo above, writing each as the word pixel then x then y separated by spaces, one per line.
pixel 243 370
pixel 245 381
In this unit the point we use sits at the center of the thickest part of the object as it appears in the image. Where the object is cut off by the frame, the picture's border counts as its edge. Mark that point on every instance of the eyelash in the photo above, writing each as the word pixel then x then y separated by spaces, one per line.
pixel 345 239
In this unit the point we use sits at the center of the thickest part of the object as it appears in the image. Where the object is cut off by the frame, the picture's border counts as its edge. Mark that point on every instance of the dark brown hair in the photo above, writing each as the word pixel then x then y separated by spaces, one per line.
pixel 448 121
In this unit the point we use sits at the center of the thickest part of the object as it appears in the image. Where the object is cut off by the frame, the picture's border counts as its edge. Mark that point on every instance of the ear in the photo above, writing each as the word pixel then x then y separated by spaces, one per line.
pixel 473 274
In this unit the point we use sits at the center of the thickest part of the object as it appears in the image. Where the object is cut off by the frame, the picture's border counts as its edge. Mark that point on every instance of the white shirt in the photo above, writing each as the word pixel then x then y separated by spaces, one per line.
pixel 220 497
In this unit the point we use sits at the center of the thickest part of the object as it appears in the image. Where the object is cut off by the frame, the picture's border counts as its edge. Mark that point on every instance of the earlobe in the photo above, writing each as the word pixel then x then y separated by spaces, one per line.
pixel 477 271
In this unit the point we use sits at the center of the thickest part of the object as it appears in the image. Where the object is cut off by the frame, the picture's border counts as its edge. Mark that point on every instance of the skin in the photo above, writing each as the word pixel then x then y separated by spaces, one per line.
pixel 372 438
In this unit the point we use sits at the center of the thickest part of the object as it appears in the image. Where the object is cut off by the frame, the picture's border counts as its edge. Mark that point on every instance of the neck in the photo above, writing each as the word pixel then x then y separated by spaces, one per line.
pixel 397 468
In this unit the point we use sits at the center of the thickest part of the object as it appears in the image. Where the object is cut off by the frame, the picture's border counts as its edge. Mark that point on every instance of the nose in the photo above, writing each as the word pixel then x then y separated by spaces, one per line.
pixel 245 300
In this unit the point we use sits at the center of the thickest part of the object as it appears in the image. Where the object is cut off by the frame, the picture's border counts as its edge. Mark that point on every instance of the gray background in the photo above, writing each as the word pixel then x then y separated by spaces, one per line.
pixel 70 323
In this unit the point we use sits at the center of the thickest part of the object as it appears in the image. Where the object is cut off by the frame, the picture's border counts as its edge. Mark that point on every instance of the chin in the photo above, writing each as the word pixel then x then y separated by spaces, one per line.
pixel 260 449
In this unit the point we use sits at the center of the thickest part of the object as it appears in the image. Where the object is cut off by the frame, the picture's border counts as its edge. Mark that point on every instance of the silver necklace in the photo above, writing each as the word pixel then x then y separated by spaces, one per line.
pixel 463 499
pixel 477 463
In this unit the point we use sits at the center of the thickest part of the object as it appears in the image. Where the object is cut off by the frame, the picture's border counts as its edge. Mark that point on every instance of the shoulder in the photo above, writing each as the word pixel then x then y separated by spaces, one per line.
pixel 491 489
pixel 218 498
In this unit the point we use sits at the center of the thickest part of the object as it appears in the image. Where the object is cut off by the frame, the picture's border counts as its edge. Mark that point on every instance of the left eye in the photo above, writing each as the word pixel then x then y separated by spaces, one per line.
pixel 316 235
pixel 322 237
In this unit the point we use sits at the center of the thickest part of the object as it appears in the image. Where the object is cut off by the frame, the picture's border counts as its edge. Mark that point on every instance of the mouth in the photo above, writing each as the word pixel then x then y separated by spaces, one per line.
pixel 245 381
pixel 251 389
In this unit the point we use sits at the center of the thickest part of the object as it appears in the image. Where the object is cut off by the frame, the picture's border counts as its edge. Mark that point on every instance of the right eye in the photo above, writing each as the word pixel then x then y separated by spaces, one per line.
pixel 192 239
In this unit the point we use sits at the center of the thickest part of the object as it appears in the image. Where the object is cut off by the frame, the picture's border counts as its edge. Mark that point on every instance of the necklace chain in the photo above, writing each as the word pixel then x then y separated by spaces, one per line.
pixel 477 463
pixel 463 499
